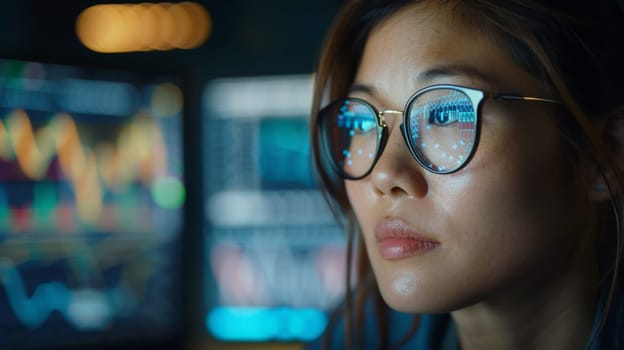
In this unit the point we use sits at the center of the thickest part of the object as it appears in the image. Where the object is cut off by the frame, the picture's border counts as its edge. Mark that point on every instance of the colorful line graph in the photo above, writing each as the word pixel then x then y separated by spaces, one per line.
pixel 138 156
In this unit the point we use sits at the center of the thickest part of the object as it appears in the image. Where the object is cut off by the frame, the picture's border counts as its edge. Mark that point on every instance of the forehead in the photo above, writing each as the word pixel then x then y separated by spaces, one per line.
pixel 427 36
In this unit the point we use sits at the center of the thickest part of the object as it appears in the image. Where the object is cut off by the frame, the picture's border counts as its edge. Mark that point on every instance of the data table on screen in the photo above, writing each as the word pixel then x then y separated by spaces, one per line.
pixel 274 256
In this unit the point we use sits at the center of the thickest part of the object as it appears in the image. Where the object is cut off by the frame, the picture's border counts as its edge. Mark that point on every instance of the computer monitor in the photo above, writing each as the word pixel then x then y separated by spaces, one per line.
pixel 92 194
pixel 274 256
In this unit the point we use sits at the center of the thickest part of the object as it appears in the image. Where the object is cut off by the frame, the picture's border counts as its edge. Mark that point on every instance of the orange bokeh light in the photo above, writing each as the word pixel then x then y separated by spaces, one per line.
pixel 114 28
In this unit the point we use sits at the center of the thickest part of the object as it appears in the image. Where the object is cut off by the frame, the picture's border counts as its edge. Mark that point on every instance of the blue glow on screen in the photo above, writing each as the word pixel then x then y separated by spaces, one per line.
pixel 263 323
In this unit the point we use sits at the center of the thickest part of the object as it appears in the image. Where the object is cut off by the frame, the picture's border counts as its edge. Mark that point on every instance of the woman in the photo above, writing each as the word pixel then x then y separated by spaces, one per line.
pixel 474 150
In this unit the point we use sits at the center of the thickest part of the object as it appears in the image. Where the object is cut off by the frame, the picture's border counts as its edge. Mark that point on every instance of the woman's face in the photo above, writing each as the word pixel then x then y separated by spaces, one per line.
pixel 502 226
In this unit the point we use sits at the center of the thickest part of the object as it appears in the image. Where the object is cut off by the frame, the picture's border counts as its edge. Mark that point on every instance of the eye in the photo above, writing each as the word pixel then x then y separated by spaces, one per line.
pixel 358 118
pixel 364 125
pixel 444 115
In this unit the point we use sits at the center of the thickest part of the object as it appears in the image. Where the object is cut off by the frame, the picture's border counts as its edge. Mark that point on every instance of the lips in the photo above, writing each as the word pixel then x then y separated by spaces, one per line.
pixel 395 240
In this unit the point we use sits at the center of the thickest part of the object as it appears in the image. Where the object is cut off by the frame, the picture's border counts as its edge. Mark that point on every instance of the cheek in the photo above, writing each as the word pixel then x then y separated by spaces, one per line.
pixel 508 221
pixel 353 194
pixel 503 218
pixel 518 165
pixel 360 199
pixel 363 201
pixel 510 214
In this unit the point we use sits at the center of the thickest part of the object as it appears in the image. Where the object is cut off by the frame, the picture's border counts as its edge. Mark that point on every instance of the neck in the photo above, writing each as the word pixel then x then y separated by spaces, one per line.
pixel 557 316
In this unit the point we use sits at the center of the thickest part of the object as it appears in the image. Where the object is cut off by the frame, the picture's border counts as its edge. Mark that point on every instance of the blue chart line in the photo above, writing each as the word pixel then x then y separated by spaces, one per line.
pixel 84 309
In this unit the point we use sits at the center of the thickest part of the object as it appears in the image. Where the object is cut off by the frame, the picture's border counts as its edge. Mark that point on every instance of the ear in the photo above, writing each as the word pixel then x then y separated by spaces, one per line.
pixel 599 191
pixel 607 181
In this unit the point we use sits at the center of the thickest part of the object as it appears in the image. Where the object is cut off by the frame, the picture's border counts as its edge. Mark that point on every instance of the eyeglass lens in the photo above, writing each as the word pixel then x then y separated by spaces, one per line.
pixel 440 127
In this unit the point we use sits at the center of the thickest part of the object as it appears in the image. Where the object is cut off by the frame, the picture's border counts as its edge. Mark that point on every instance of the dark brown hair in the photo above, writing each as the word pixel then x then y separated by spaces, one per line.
pixel 572 46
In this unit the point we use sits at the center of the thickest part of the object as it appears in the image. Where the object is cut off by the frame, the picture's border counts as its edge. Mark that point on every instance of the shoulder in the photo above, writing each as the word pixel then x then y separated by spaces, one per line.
pixel 611 336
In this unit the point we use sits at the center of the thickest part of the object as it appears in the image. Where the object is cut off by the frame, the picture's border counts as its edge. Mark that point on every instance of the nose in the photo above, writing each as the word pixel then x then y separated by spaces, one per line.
pixel 396 172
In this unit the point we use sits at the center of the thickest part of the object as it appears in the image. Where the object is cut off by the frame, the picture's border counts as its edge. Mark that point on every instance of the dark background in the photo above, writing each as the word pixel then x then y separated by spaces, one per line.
pixel 247 38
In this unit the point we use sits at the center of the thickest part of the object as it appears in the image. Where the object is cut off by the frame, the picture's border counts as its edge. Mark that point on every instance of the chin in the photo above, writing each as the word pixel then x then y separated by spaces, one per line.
pixel 405 295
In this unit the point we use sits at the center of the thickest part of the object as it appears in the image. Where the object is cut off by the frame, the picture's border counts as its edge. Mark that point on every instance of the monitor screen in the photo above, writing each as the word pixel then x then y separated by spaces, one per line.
pixel 91 206
pixel 274 257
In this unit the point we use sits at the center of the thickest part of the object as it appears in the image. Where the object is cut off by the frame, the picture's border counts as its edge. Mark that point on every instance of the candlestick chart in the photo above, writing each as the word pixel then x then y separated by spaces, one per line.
pixel 91 203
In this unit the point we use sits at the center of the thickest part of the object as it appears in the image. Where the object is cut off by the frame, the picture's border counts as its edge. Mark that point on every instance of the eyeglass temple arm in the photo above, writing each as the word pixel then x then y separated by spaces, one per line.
pixel 522 98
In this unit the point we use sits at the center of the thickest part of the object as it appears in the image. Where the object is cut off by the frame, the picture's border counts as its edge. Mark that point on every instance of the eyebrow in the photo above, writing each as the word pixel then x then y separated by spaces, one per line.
pixel 453 70
pixel 358 87
pixel 427 76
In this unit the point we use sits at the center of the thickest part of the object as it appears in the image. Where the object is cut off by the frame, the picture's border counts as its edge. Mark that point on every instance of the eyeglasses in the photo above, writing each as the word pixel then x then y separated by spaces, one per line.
pixel 440 127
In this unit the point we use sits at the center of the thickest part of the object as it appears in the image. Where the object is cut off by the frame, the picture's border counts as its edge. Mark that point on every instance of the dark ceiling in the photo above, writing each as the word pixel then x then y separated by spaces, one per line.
pixel 249 37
